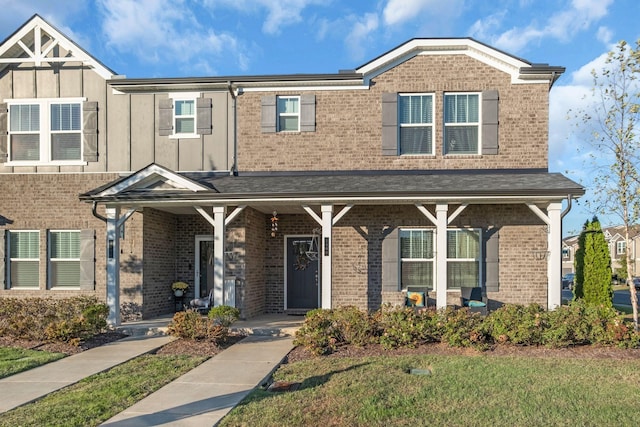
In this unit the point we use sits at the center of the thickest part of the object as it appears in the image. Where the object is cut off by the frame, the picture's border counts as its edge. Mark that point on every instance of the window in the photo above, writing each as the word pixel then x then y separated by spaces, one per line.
pixel 463 258
pixel 64 259
pixel 566 253
pixel 24 259
pixel 44 131
pixel 416 254
pixel 461 123
pixel 288 113
pixel 185 116
pixel 621 247
pixel 415 117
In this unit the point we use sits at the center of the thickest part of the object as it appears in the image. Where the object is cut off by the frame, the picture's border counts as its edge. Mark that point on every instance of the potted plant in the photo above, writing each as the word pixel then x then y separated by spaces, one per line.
pixel 179 288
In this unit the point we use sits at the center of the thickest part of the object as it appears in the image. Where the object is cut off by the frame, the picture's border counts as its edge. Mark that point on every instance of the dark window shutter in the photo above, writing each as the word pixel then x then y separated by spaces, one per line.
pixel 204 116
pixel 492 260
pixel 90 131
pixel 308 113
pixel 3 260
pixel 389 124
pixel 87 259
pixel 165 117
pixel 4 130
pixel 390 262
pixel 268 122
pixel 490 122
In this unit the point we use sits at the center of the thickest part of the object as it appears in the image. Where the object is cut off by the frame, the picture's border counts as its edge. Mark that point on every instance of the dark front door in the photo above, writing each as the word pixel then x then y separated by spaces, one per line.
pixel 302 274
pixel 205 266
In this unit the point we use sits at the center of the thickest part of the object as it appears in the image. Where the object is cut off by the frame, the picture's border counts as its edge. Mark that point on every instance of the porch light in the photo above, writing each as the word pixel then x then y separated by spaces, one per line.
pixel 274 224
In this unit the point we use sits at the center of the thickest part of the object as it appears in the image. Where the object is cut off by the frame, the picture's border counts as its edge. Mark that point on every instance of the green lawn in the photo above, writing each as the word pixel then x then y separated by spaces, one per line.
pixel 99 397
pixel 14 360
pixel 461 391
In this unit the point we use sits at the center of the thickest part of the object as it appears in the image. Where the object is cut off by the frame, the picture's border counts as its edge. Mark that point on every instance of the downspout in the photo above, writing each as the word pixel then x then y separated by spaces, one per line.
pixel 96 214
pixel 234 166
pixel 568 208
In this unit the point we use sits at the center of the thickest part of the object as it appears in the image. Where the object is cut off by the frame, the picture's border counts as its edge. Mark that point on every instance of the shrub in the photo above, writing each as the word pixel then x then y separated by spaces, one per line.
pixel 354 326
pixel 319 333
pixel 516 324
pixel 69 319
pixel 190 324
pixel 462 328
pixel 399 326
pixel 224 315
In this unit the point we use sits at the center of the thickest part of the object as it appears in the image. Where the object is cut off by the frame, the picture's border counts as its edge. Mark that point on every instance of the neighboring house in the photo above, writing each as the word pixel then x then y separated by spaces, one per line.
pixel 425 167
pixel 615 237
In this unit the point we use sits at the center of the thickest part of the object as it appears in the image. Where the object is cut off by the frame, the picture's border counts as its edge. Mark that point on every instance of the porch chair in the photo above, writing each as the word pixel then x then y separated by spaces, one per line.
pixel 471 297
pixel 203 305
pixel 417 296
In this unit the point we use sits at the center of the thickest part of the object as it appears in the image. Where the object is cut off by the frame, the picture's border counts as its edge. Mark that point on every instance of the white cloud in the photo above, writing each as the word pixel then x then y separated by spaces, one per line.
pixel 605 35
pixel 399 11
pixel 279 13
pixel 360 33
pixel 562 25
pixel 484 28
pixel 156 31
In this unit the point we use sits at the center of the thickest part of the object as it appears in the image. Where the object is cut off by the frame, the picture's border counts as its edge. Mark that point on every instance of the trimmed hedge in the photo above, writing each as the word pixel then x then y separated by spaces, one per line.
pixel 323 331
pixel 47 319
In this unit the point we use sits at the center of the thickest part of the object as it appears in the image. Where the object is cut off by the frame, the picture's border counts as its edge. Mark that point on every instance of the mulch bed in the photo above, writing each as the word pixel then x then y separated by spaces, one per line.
pixel 585 352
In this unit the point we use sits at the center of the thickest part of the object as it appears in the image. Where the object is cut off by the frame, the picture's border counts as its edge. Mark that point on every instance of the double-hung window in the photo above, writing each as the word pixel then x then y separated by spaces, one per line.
pixel 185 116
pixel 288 110
pixel 462 123
pixel 64 259
pixel 24 259
pixel 621 247
pixel 463 258
pixel 45 131
pixel 416 258
pixel 415 117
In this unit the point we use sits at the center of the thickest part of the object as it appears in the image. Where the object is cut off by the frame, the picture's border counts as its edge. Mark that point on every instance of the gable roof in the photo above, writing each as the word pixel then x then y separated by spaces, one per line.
pixel 521 71
pixel 37 42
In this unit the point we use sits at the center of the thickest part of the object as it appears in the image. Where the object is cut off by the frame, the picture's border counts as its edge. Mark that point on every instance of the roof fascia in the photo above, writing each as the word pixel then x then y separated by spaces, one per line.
pixel 151 173
pixel 35 24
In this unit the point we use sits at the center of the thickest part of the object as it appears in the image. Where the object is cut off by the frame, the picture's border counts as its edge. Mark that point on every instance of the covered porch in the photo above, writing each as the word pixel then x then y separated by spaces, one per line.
pixel 363 207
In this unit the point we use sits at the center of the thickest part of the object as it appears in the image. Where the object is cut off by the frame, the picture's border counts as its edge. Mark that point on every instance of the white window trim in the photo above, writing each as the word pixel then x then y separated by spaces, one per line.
pixel 432 259
pixel 9 260
pixel 477 124
pixel 45 131
pixel 620 244
pixel 185 96
pixel 566 253
pixel 432 124
pixel 279 114
pixel 478 260
pixel 51 260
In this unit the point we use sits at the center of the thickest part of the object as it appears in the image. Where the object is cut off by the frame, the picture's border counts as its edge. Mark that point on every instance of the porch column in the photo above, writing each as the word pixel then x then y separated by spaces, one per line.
pixel 441 255
pixel 219 213
pixel 554 261
pixel 113 265
pixel 327 225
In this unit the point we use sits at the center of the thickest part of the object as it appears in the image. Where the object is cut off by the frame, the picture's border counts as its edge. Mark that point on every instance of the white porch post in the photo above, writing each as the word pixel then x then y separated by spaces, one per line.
pixel 113 265
pixel 554 261
pixel 327 226
pixel 219 213
pixel 441 255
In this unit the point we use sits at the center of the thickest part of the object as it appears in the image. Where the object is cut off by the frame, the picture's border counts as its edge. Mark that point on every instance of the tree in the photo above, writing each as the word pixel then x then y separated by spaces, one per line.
pixel 578 280
pixel 612 120
pixel 596 286
pixel 621 271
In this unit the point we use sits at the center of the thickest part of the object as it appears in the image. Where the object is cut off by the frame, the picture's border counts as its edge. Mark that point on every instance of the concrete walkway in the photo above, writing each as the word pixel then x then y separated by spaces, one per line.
pixel 204 395
pixel 30 385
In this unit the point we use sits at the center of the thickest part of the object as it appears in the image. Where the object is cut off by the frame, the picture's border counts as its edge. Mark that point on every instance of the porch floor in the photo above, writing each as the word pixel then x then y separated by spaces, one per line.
pixel 266 324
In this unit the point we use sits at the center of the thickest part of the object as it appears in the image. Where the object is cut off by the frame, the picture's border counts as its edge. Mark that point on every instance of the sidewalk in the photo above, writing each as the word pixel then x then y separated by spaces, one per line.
pixel 30 385
pixel 207 393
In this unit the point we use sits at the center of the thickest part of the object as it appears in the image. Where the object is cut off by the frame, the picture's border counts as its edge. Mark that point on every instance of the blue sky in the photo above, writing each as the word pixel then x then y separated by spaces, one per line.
pixel 172 38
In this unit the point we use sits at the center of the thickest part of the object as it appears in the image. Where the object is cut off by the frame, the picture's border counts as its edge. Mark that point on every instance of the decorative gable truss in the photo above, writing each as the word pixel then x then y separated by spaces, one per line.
pixel 38 42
